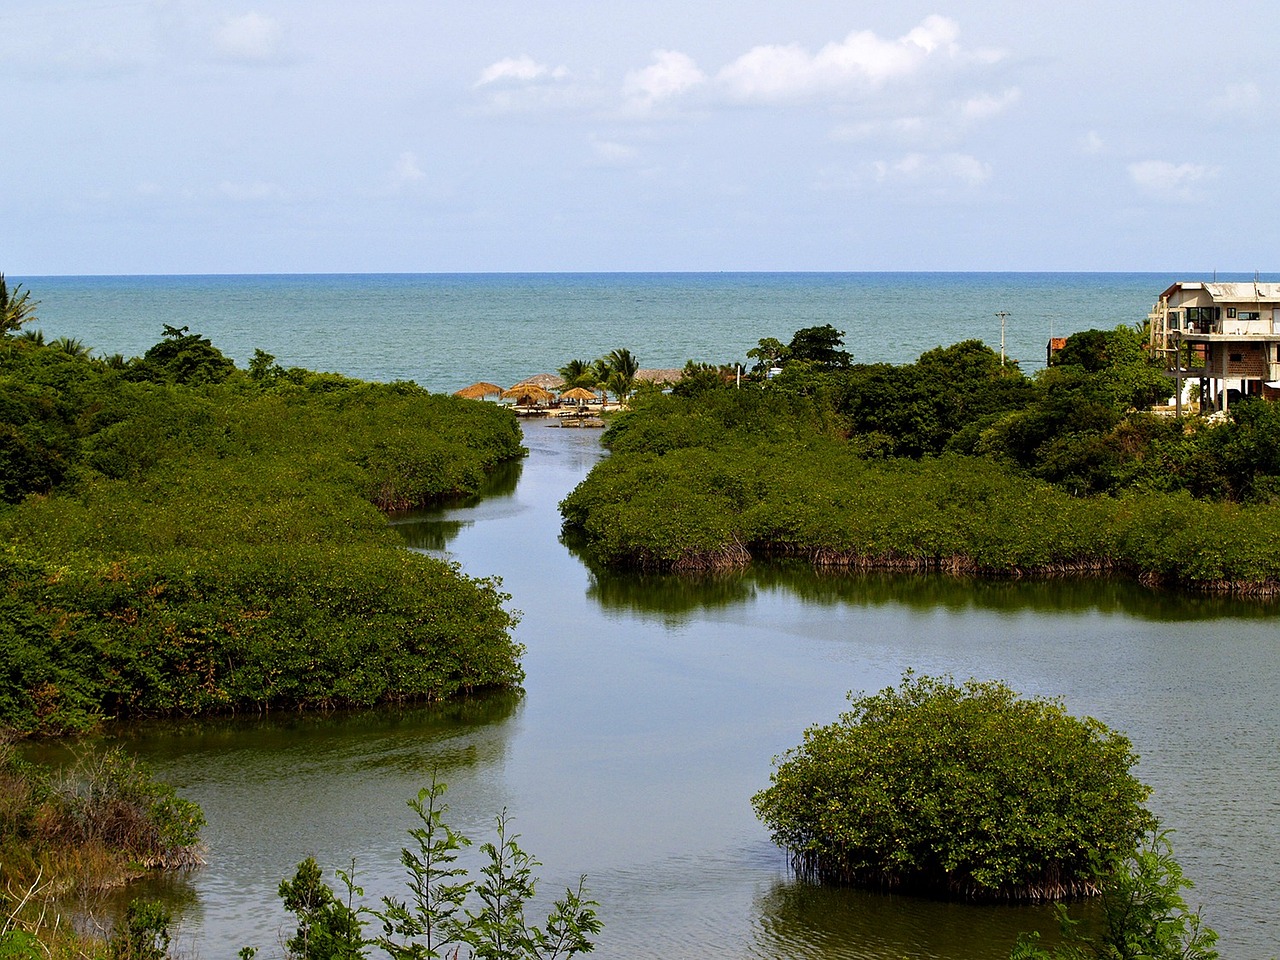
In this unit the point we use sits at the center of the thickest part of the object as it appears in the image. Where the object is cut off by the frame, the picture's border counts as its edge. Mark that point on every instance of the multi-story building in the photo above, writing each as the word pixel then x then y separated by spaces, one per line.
pixel 1224 335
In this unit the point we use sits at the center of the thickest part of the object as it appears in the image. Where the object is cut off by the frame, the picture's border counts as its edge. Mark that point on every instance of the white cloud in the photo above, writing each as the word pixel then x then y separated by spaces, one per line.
pixel 1092 143
pixel 671 74
pixel 940 170
pixel 985 106
pixel 1169 181
pixel 250 192
pixel 611 153
pixel 1242 99
pixel 406 170
pixel 249 38
pixel 523 69
pixel 861 61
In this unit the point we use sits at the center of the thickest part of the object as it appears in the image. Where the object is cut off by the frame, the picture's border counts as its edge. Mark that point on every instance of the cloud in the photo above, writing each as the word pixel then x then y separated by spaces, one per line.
pixel 610 153
pixel 249 38
pixel 671 74
pixel 1242 99
pixel 1092 143
pixel 523 69
pixel 860 62
pixel 939 170
pixel 406 170
pixel 1169 181
pixel 985 106
pixel 250 192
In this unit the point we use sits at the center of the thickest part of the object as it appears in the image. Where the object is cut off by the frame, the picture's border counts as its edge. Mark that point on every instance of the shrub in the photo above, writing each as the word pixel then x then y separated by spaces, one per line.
pixel 1144 915
pixel 965 791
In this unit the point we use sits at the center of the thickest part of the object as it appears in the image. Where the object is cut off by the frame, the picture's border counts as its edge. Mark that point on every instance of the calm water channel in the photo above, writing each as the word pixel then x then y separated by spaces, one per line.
pixel 653 709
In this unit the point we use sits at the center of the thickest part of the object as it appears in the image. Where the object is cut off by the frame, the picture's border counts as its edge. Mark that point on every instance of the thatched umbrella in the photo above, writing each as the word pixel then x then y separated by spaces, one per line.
pixel 478 391
pixel 579 393
pixel 547 381
pixel 527 394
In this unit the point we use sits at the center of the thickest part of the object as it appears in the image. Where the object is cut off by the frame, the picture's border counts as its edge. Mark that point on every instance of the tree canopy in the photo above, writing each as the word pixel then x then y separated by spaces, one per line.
pixel 962 790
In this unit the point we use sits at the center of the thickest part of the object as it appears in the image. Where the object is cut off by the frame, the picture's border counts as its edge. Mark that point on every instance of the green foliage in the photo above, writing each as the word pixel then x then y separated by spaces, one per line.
pixel 769 353
pixel 112 798
pixel 819 346
pixel 144 935
pixel 436 921
pixel 328 929
pixel 91 825
pixel 968 791
pixel 183 357
pixel 1144 915
pixel 16 307
pixel 207 546
pixel 952 463
pixel 419 928
pixel 616 372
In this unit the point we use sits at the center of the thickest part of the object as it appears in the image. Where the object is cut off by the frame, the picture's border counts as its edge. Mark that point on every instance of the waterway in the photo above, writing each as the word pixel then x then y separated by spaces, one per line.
pixel 653 709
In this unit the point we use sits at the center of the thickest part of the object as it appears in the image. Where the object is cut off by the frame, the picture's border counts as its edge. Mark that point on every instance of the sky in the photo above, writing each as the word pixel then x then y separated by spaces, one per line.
pixel 197 136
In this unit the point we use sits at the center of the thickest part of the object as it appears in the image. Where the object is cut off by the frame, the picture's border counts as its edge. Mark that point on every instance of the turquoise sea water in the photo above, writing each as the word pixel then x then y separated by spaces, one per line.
pixel 445 331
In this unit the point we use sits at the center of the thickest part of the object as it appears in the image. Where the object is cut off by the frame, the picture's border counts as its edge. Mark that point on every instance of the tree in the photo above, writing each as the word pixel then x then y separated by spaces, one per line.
pixel 770 353
pixel 183 357
pixel 820 346
pixel 622 371
pixel 70 345
pixel 1144 914
pixel 435 923
pixel 579 373
pixel 16 307
pixel 966 791
pixel 328 929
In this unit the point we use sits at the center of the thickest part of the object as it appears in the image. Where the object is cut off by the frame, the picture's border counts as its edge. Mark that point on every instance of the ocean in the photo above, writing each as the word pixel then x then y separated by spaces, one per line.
pixel 445 331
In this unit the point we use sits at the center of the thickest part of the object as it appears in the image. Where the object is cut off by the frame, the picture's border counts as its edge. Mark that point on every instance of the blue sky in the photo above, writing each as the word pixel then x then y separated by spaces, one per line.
pixel 195 136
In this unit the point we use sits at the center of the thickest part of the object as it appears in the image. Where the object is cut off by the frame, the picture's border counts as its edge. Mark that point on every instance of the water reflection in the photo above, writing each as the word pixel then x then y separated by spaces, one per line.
pixel 433 528
pixel 334 786
pixel 674 598
pixel 796 919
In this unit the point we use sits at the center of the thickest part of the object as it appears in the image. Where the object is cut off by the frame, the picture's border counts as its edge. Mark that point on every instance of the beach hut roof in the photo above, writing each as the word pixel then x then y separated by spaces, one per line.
pixel 548 381
pixel 478 391
pixel 528 392
pixel 655 375
pixel 579 393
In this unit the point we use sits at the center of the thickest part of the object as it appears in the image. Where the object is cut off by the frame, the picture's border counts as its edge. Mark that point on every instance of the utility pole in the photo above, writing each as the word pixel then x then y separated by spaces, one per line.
pixel 1001 314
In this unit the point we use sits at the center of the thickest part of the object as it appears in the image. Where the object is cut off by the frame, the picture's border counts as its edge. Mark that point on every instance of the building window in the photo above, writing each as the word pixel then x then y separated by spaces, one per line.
pixel 1231 313
pixel 1236 357
pixel 1249 315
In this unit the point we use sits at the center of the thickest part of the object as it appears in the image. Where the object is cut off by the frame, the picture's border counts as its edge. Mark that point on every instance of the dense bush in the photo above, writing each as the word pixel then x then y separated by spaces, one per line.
pixel 185 538
pixel 964 791
pixel 953 463
pixel 91 824
pixel 1143 915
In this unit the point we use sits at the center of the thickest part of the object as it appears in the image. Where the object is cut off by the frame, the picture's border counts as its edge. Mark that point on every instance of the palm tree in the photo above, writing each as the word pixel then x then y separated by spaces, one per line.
pixel 579 373
pixel 16 307
pixel 622 370
pixel 70 345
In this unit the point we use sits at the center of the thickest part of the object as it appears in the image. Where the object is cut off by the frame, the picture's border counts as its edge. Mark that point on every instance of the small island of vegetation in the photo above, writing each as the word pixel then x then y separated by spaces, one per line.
pixel 965 791
pixel 957 462
pixel 183 537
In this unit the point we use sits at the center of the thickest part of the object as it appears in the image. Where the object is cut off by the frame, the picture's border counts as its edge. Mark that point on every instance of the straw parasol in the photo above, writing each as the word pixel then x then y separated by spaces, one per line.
pixel 478 391
pixel 547 381
pixel 528 393
pixel 579 393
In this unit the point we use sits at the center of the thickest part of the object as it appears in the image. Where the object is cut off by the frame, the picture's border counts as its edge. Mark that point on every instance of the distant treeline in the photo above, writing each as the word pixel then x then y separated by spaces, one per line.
pixel 956 462
pixel 184 537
